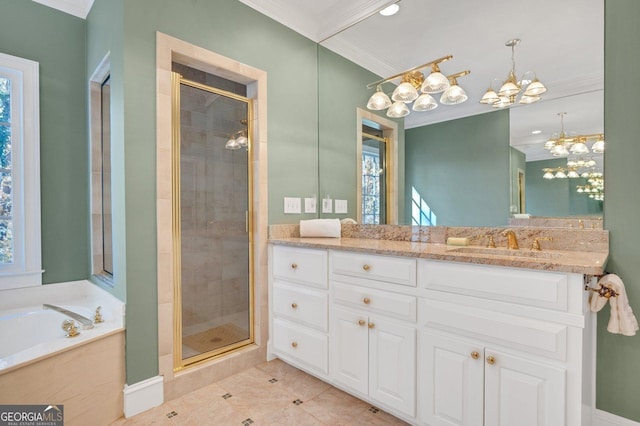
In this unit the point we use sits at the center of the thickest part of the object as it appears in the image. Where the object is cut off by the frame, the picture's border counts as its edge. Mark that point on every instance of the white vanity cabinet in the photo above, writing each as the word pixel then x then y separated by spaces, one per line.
pixel 299 307
pixel 437 342
pixel 485 360
pixel 374 354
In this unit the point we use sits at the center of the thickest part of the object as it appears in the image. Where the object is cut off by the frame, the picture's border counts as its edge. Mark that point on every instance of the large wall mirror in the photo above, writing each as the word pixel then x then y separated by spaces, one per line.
pixel 469 164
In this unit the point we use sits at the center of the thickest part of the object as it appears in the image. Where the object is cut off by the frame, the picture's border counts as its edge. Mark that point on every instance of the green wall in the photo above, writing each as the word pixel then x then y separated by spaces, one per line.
pixel 229 28
pixel 556 197
pixel 461 169
pixel 57 41
pixel 341 90
pixel 105 36
pixel 618 375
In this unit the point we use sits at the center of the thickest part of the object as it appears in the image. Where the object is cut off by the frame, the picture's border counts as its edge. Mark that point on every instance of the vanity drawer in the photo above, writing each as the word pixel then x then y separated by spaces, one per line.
pixel 308 346
pixel 395 305
pixel 398 270
pixel 301 305
pixel 305 266
pixel 525 287
pixel 525 334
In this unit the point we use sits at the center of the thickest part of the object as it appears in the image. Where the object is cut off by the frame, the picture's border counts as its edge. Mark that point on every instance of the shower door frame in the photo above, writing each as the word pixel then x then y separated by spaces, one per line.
pixel 178 362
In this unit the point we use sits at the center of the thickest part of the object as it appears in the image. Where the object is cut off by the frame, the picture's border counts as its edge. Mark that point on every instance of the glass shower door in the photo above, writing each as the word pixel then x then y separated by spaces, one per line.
pixel 212 189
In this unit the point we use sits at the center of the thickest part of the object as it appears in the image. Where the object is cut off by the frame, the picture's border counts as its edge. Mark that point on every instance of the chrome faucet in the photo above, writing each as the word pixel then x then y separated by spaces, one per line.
pixel 86 322
pixel 512 241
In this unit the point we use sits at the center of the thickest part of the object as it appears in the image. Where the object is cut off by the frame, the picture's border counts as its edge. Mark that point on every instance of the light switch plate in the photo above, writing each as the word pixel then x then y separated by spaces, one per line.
pixel 327 206
pixel 341 206
pixel 292 205
pixel 310 205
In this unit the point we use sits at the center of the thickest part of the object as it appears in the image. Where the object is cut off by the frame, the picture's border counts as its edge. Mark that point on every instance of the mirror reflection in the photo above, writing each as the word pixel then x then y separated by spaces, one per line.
pixel 471 164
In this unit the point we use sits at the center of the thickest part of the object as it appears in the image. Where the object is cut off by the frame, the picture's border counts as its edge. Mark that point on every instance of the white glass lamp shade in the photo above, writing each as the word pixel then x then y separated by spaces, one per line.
pixel 561 175
pixel 398 109
pixel 590 163
pixel 503 102
pixel 232 144
pixel 535 88
pixel 579 148
pixel 405 92
pixel 454 95
pixel 527 99
pixel 573 174
pixel 572 163
pixel 435 82
pixel 598 146
pixel 425 102
pixel 580 190
pixel 549 144
pixel 489 97
pixel 379 100
pixel 548 175
pixel 510 86
pixel 559 151
pixel 242 141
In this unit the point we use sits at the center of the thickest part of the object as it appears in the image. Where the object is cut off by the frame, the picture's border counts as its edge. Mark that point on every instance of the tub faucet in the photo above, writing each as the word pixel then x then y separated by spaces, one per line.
pixel 86 322
pixel 512 241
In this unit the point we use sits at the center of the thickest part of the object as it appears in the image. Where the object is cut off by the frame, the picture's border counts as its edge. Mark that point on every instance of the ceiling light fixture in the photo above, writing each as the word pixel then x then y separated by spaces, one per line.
pixel 390 10
pixel 511 87
pixel 238 139
pixel 561 144
pixel 414 86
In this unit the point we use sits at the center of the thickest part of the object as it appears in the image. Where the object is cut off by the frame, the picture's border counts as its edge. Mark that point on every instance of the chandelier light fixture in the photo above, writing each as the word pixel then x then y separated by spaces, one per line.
pixel 563 144
pixel 415 87
pixel 511 88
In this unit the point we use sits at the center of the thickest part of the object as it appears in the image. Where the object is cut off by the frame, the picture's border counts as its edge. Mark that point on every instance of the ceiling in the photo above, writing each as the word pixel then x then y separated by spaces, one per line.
pixel 562 42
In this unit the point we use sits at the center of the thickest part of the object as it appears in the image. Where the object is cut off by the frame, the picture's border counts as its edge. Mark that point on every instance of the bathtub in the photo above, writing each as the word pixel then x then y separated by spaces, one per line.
pixel 28 332
pixel 39 365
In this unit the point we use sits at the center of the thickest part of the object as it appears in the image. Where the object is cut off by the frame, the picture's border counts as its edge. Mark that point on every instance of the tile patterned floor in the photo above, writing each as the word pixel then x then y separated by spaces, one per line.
pixel 272 393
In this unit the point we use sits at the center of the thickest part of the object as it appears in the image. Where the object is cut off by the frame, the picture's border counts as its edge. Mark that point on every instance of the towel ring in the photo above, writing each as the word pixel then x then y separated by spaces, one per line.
pixel 603 291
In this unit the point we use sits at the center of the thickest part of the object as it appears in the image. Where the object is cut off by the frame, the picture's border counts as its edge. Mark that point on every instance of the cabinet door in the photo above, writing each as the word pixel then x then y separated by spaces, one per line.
pixel 451 381
pixel 392 364
pixel 349 338
pixel 523 392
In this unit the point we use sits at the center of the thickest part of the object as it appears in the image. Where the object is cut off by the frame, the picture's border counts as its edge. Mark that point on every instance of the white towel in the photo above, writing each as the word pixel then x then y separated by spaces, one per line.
pixel 320 228
pixel 622 320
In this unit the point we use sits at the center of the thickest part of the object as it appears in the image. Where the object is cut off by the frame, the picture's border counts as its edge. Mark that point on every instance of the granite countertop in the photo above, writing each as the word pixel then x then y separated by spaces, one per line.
pixel 581 262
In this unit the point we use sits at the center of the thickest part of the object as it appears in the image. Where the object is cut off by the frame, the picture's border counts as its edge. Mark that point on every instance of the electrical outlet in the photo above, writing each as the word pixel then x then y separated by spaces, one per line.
pixel 327 206
pixel 292 205
pixel 310 205
pixel 341 206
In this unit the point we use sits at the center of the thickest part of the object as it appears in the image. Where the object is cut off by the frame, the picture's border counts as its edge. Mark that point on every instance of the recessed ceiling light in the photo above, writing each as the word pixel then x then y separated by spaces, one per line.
pixel 390 10
pixel 536 132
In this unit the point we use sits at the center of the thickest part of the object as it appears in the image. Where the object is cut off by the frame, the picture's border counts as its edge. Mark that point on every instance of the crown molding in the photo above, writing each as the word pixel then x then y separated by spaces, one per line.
pixel 79 8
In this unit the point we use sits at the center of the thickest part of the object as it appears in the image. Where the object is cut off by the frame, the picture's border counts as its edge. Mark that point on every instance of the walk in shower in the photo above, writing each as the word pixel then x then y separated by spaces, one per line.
pixel 212 123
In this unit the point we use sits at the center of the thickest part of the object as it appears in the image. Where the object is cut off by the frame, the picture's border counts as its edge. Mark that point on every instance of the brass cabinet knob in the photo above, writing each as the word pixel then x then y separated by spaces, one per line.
pixel 371 325
pixel 294 344
pixel 366 267
pixel 491 360
pixel 294 305
pixel 366 300
pixel 294 266
pixel 362 322
pixel 475 355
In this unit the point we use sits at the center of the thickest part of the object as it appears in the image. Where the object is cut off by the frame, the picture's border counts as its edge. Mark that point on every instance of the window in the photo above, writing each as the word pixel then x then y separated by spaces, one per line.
pixel 377 165
pixel 374 204
pixel 101 217
pixel 20 259
pixel 421 214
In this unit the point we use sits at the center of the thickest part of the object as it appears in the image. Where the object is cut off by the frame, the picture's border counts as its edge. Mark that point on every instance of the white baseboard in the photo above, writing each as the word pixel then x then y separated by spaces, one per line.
pixel 604 418
pixel 143 396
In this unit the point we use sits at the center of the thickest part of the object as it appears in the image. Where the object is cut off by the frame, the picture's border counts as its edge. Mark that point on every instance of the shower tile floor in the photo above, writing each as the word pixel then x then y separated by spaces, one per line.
pixel 272 393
